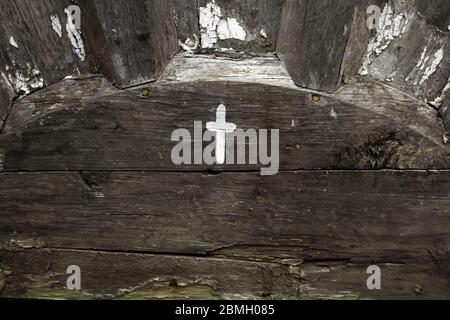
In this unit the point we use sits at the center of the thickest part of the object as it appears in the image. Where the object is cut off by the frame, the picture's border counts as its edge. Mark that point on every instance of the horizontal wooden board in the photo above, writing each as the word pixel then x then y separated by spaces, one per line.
pixel 88 125
pixel 6 97
pixel 308 215
pixel 107 275
pixel 312 40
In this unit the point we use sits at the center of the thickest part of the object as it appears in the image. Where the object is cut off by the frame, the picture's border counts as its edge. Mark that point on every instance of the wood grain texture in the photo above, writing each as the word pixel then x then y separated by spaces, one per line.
pixel 300 215
pixel 109 275
pixel 135 41
pixel 313 59
pixel 41 57
pixel 70 126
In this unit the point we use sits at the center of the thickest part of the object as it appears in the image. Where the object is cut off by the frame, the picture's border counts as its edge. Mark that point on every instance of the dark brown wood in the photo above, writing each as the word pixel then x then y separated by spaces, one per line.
pixel 312 40
pixel 88 125
pixel 135 41
pixel 109 275
pixel 38 56
pixel 436 12
pixel 308 215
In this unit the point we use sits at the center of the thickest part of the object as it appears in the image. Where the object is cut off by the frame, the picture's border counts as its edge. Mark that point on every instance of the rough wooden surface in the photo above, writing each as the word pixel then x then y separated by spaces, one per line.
pixel 115 275
pixel 137 38
pixel 187 23
pixel 415 61
pixel 6 97
pixel 70 126
pixel 86 176
pixel 37 56
pixel 404 49
pixel 353 217
pixel 314 59
pixel 260 20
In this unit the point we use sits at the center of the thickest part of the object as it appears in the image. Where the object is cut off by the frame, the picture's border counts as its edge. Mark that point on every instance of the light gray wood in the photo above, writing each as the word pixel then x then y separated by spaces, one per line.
pixel 6 97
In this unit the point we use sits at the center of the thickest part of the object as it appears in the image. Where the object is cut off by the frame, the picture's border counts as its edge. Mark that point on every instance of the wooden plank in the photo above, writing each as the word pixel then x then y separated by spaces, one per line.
pixel 294 215
pixel 33 54
pixel 137 38
pixel 106 275
pixel 250 26
pixel 71 126
pixel 314 58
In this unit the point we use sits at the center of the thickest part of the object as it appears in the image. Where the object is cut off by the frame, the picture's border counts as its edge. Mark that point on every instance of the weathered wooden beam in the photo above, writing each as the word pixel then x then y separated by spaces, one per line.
pixel 312 41
pixel 132 40
pixel 41 273
pixel 409 54
pixel 88 125
pixel 37 48
pixel 305 215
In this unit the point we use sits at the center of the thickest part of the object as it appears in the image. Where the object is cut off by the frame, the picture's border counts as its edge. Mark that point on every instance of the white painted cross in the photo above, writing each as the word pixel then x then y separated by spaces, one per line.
pixel 221 128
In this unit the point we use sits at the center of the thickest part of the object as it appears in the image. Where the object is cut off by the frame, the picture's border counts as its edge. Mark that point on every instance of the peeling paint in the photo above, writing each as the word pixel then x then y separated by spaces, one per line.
pixel 426 66
pixel 230 28
pixel 25 83
pixel 263 33
pixel 391 26
pixel 431 69
pixel 437 103
pixel 74 35
pixel 189 45
pixel 56 25
pixel 13 42
pixel 215 26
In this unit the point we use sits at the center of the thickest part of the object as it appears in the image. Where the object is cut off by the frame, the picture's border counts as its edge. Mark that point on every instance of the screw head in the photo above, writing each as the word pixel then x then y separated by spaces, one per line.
pixel 145 92
pixel 315 98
